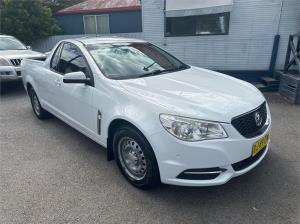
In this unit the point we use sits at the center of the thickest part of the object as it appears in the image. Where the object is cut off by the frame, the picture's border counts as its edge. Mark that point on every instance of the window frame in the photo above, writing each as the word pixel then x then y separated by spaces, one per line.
pixel 60 48
pixel 95 19
pixel 226 14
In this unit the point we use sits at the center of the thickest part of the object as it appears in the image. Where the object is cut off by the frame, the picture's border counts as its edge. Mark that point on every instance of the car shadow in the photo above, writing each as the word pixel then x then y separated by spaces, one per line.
pixel 12 88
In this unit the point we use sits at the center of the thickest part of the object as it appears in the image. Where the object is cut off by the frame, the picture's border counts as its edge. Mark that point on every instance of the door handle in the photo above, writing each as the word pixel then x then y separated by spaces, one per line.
pixel 57 82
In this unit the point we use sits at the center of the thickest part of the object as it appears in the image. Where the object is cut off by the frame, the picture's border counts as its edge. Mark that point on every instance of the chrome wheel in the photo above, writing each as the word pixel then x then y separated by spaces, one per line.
pixel 36 104
pixel 132 158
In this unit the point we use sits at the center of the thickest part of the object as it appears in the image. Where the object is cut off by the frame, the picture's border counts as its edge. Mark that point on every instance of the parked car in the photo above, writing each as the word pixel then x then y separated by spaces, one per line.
pixel 12 52
pixel 160 119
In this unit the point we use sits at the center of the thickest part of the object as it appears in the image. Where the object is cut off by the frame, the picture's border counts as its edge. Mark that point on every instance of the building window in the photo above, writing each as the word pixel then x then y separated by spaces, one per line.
pixel 96 24
pixel 213 24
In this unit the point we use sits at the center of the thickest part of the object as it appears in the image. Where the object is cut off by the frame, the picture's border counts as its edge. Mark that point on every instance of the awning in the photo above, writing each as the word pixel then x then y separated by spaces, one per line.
pixel 180 8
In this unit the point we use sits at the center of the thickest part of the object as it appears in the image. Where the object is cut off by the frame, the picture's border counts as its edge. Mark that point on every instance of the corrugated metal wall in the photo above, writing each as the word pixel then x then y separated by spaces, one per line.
pixel 289 24
pixel 253 25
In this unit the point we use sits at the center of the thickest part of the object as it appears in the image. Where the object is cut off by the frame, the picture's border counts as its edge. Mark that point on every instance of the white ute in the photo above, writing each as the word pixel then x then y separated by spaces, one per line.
pixel 160 119
pixel 12 52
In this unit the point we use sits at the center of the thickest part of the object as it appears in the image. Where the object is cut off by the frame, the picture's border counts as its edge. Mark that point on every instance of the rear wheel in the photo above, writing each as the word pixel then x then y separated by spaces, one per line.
pixel 36 106
pixel 135 158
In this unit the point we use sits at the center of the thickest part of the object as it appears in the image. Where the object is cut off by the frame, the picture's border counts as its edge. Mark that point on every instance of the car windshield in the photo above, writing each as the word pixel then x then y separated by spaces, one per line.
pixel 10 43
pixel 133 60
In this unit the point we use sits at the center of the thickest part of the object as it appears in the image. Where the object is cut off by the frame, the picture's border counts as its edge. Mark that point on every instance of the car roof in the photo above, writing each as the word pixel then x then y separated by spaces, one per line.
pixel 100 40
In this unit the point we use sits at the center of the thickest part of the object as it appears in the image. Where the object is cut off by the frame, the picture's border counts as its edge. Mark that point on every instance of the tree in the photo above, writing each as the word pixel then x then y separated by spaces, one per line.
pixel 56 5
pixel 27 20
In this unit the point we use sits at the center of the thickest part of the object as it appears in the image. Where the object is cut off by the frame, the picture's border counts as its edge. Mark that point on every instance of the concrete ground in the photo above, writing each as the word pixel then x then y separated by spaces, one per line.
pixel 50 173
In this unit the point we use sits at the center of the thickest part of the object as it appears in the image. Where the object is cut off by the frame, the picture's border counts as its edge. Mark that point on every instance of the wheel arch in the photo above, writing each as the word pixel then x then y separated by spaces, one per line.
pixel 29 83
pixel 28 86
pixel 113 126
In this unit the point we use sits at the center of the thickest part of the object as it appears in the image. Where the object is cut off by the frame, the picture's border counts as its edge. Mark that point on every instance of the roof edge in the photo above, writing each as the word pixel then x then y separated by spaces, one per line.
pixel 103 10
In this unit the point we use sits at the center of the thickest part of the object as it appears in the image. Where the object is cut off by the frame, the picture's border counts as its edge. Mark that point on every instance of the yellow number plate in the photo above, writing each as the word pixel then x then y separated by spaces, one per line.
pixel 260 144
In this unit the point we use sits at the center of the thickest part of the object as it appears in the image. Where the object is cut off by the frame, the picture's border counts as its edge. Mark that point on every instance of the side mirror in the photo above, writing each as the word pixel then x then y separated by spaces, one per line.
pixel 76 77
pixel 28 47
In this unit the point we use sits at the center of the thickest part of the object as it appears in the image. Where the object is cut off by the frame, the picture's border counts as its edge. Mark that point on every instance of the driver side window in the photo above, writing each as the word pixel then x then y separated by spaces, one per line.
pixel 71 60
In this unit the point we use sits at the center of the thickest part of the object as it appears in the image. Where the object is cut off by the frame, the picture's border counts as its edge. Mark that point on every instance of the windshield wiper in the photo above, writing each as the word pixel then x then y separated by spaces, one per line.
pixel 155 72
pixel 149 66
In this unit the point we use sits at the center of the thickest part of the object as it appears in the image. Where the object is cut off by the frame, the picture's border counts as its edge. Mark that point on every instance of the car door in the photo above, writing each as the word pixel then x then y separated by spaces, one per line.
pixel 47 81
pixel 74 100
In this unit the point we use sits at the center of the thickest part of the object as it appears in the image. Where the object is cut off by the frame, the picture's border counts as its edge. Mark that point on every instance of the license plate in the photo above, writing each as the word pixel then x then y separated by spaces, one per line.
pixel 260 144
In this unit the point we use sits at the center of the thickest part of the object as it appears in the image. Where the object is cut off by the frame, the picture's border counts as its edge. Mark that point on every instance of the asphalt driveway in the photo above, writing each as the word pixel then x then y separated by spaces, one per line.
pixel 50 173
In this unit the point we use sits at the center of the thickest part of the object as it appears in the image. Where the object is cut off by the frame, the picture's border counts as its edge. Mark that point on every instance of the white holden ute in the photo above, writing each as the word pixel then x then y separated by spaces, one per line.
pixel 162 121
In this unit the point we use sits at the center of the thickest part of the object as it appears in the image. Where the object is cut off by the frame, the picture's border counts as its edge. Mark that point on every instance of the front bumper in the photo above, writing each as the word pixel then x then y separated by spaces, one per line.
pixel 10 73
pixel 231 155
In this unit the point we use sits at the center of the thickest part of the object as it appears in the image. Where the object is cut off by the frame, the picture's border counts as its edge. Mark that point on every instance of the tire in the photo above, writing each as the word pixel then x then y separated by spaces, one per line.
pixel 135 158
pixel 38 110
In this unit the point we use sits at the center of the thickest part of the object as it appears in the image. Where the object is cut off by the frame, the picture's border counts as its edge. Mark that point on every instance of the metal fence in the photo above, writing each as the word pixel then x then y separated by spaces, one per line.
pixel 48 43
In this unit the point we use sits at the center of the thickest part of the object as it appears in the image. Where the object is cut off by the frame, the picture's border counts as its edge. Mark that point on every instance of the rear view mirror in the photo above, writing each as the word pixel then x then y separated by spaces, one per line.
pixel 76 77
pixel 28 47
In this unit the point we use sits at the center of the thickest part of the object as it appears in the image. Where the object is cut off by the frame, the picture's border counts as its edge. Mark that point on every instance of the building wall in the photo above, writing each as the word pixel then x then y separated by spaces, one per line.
pixel 253 25
pixel 120 22
pixel 125 22
pixel 67 23
pixel 289 24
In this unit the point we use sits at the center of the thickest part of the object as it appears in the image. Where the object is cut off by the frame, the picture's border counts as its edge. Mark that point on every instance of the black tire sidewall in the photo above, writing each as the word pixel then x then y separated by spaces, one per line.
pixel 43 114
pixel 151 178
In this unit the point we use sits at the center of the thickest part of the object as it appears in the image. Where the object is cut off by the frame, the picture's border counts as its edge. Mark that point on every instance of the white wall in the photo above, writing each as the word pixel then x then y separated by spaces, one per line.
pixel 253 25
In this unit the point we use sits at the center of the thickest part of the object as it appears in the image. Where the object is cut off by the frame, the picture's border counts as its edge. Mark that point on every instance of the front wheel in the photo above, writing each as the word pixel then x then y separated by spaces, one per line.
pixel 135 158
pixel 36 106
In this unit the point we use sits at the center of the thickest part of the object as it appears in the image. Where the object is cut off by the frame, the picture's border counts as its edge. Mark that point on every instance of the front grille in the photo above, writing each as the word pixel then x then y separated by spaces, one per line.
pixel 16 62
pixel 247 162
pixel 246 123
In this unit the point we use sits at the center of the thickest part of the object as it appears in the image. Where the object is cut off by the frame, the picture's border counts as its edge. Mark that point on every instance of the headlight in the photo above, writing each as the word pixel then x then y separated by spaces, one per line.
pixel 188 129
pixel 4 62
